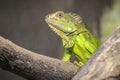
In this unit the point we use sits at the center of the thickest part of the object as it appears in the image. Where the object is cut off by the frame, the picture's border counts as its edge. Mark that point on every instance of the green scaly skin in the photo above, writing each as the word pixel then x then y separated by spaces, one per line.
pixel 76 38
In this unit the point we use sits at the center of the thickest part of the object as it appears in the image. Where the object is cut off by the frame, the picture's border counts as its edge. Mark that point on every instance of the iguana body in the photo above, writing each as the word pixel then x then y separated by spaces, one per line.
pixel 76 38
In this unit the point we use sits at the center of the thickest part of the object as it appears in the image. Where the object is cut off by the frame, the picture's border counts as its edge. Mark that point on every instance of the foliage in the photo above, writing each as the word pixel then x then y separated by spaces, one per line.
pixel 110 19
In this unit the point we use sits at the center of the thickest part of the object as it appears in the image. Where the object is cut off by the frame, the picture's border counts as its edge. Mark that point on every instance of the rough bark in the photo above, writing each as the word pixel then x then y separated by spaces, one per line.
pixel 105 64
pixel 31 65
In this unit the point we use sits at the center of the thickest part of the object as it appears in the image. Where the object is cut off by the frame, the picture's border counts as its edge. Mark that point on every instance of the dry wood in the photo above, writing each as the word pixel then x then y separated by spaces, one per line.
pixel 105 64
pixel 31 65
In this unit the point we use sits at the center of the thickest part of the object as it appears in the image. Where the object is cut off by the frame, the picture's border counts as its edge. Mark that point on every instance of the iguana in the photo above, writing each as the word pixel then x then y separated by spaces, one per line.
pixel 75 36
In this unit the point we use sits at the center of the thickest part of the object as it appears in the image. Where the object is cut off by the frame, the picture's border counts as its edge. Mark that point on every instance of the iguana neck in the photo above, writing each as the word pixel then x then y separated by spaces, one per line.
pixel 82 28
pixel 68 40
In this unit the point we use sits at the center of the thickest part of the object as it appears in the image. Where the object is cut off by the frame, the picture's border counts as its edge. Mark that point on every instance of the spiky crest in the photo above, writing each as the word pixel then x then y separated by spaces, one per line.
pixel 76 17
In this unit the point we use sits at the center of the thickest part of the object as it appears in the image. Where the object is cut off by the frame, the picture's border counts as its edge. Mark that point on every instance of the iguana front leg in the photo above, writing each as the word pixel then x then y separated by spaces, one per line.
pixel 79 64
pixel 67 54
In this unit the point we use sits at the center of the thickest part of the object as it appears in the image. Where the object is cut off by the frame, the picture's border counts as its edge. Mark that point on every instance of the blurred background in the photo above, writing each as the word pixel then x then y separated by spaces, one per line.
pixel 22 22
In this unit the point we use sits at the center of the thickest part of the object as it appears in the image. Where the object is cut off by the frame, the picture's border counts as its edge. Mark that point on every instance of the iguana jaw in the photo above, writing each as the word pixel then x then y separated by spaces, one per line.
pixel 55 27
pixel 53 24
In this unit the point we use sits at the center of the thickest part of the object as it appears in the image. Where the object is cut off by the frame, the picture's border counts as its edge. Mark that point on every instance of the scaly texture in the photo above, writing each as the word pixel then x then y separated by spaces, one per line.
pixel 76 38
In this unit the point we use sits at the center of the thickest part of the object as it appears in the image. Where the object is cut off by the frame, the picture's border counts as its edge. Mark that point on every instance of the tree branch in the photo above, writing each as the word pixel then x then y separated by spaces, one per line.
pixel 31 65
pixel 105 64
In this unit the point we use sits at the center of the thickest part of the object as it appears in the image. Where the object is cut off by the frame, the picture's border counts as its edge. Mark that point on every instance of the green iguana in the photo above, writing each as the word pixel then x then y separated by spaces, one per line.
pixel 76 38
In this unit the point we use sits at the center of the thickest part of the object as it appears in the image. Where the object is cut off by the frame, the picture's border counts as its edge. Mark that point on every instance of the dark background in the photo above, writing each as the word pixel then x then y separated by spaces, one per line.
pixel 22 22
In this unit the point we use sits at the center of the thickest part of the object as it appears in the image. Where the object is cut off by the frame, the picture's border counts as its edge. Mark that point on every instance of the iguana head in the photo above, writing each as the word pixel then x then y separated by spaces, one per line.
pixel 65 25
pixel 65 22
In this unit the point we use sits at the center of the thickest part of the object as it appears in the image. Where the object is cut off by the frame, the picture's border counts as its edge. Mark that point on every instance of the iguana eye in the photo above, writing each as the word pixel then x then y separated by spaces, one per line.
pixel 60 14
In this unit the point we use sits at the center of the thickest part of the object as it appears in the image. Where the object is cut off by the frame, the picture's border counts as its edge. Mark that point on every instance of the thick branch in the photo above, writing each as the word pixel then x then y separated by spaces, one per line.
pixel 31 65
pixel 105 64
